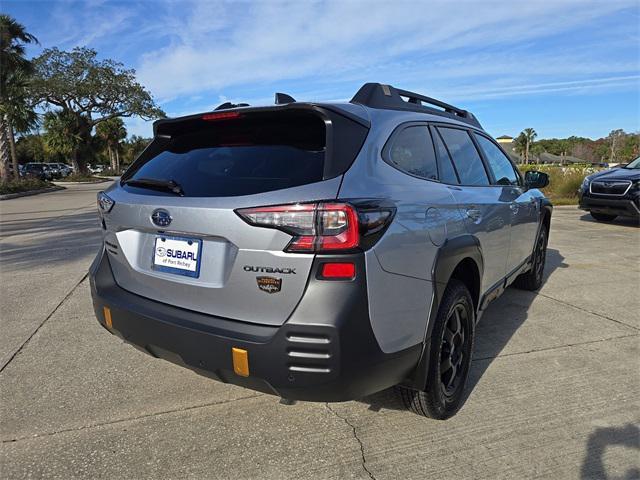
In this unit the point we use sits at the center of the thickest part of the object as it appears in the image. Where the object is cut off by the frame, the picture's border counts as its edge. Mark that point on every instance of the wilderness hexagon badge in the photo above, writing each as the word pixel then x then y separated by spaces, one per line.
pixel 269 284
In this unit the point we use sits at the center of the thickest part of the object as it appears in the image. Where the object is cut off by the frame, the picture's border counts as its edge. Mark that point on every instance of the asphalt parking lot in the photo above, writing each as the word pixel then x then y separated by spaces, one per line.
pixel 554 389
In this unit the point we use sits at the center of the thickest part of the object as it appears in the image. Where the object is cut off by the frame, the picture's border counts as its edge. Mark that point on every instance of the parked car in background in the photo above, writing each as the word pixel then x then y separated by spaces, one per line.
pixel 320 251
pixel 60 169
pixel 95 168
pixel 38 170
pixel 612 193
pixel 54 170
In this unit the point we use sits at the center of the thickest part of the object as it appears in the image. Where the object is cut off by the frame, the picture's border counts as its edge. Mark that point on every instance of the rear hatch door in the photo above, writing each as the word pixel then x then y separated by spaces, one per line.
pixel 173 234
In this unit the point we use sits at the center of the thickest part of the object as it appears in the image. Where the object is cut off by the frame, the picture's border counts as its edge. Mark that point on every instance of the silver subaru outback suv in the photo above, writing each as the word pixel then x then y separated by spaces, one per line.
pixel 320 251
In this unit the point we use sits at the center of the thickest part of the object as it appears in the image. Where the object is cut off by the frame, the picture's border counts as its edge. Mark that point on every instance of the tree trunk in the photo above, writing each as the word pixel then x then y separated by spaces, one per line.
pixel 5 156
pixel 82 151
pixel 75 161
pixel 14 155
pixel 117 160
pixel 613 149
pixel 526 153
pixel 111 162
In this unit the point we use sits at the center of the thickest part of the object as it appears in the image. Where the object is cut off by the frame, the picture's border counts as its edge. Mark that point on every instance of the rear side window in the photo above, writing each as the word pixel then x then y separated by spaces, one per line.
pixel 239 156
pixel 447 172
pixel 465 156
pixel 412 152
pixel 499 164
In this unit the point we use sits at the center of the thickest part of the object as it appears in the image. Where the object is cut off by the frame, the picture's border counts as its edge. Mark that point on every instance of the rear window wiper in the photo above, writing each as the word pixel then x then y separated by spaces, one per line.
pixel 155 184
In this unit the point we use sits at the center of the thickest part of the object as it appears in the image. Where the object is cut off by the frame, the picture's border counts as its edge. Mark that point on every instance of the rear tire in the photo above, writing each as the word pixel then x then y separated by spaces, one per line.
pixel 602 217
pixel 532 280
pixel 450 357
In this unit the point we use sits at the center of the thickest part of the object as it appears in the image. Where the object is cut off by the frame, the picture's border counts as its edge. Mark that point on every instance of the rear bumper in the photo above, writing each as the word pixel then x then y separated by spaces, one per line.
pixel 326 351
pixel 626 206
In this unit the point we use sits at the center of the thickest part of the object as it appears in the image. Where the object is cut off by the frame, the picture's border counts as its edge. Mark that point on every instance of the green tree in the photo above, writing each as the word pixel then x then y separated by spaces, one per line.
pixel 615 143
pixel 91 90
pixel 630 149
pixel 61 132
pixel 520 146
pixel 132 147
pixel 18 111
pixel 529 136
pixel 112 132
pixel 31 148
pixel 14 107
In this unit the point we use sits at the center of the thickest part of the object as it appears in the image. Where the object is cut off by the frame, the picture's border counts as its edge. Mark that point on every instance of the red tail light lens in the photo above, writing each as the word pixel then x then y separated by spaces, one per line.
pixel 317 227
pixel 342 271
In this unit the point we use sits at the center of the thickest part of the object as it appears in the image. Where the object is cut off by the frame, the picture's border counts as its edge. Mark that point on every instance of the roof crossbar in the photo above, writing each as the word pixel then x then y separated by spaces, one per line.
pixel 376 95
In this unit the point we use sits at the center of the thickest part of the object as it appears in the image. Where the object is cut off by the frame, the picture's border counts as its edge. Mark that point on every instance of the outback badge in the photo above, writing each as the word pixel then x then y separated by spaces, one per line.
pixel 269 284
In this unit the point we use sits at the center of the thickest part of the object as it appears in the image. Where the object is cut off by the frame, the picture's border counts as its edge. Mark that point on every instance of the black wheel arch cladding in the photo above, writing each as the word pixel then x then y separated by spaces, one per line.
pixel 452 254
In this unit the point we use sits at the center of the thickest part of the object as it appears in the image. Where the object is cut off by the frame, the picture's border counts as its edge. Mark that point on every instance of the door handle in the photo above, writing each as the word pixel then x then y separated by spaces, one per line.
pixel 474 214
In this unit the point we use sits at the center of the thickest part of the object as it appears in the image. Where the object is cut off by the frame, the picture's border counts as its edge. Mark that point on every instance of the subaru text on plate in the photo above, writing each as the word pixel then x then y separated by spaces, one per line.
pixel 320 251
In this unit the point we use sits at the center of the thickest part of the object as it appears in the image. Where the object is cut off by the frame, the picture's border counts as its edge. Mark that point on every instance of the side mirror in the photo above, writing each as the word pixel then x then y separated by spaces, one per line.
pixel 535 179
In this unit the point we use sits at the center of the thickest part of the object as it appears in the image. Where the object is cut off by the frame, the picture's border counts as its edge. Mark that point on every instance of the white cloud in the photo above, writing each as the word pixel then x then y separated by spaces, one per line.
pixel 221 45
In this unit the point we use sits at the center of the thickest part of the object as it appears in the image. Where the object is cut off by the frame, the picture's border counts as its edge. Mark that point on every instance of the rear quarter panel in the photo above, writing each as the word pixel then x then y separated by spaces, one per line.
pixel 399 266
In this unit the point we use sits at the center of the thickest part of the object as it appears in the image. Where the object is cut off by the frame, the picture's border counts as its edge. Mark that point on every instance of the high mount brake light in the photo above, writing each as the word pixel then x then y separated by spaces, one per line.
pixel 316 227
pixel 221 116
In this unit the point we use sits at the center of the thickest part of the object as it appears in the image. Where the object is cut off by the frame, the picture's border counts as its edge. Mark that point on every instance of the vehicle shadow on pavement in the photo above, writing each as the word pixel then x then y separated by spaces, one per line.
pixel 66 239
pixel 622 221
pixel 499 323
pixel 593 465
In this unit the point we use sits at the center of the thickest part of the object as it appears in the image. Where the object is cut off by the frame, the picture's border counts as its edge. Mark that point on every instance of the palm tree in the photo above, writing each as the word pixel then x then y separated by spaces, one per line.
pixel 18 112
pixel 59 132
pixel 529 135
pixel 520 146
pixel 14 68
pixel 112 132
pixel 524 141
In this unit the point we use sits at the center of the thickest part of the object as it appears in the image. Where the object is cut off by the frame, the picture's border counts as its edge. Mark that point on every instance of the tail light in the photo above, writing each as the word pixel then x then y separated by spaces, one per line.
pixel 322 227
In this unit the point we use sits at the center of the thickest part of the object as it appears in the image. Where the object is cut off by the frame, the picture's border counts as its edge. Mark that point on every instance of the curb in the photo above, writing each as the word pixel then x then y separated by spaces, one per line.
pixel 102 180
pixel 28 193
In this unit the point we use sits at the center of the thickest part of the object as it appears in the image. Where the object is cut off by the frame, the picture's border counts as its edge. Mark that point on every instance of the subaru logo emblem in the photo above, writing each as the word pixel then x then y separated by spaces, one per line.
pixel 161 218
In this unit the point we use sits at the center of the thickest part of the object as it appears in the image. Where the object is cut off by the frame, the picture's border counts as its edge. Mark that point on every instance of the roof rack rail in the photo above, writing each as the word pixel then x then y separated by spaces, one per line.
pixel 377 95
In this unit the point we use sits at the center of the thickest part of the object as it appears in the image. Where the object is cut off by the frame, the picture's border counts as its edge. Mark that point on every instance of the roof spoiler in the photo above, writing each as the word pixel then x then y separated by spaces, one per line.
pixel 377 95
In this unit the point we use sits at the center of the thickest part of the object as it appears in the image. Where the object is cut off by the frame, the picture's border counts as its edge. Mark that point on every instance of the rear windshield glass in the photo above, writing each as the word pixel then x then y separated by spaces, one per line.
pixel 240 156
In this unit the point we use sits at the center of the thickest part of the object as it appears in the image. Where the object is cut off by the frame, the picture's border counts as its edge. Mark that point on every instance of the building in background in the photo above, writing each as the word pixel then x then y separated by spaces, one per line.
pixel 508 145
pixel 505 139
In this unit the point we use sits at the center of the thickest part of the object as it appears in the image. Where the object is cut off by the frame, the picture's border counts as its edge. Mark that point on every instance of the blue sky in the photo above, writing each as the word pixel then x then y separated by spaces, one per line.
pixel 563 67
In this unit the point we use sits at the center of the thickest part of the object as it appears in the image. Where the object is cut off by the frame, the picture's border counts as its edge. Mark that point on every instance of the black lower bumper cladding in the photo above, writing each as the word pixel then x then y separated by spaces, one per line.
pixel 326 351
pixel 624 206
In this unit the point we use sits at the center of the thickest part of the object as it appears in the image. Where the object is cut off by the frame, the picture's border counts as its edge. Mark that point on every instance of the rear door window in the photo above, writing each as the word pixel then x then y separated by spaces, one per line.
pixel 240 156
pixel 465 156
pixel 445 165
pixel 412 152
pixel 499 164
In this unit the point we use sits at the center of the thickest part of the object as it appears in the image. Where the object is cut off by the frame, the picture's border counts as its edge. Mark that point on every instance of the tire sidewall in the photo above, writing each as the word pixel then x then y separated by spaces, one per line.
pixel 448 405
pixel 536 266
